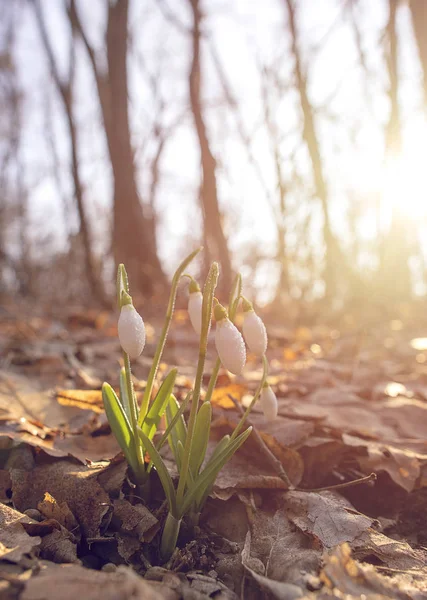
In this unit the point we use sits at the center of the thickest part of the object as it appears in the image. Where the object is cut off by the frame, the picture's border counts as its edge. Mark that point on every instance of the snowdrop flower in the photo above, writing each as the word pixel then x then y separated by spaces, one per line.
pixel 254 330
pixel 268 402
pixel 229 342
pixel 195 301
pixel 131 330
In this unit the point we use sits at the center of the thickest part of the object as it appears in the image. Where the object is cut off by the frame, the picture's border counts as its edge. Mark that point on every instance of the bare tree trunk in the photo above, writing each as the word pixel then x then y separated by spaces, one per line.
pixel 65 90
pixel 419 20
pixel 333 257
pixel 394 277
pixel 133 242
pixel 213 230
pixel 282 292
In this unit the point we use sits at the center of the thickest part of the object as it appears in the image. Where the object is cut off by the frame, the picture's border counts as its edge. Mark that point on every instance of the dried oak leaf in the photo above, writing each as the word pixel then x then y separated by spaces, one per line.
pixel 14 540
pixel 66 482
pixel 61 512
pixel 84 399
pixel 327 516
pixel 73 581
pixel 391 553
pixel 345 577
pixel 281 590
pixel 403 466
pixel 134 520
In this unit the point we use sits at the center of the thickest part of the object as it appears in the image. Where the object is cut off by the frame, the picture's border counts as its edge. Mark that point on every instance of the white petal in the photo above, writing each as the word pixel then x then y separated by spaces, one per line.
pixel 268 403
pixel 131 330
pixel 195 301
pixel 255 333
pixel 230 346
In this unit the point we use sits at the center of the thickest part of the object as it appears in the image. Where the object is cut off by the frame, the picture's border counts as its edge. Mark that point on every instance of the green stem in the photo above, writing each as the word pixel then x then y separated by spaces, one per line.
pixel 162 341
pixel 134 418
pixel 169 537
pixel 208 295
pixel 254 399
pixel 212 380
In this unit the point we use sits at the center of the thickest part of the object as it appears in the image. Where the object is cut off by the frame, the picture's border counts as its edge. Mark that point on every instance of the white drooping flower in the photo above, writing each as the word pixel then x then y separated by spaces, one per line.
pixel 229 342
pixel 131 331
pixel 195 301
pixel 254 330
pixel 268 401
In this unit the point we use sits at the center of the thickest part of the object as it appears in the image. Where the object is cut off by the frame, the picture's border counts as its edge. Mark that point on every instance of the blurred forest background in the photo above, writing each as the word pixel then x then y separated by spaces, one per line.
pixel 289 137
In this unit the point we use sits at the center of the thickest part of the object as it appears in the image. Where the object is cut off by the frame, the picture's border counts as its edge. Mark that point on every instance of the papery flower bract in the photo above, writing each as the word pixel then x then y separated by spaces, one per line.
pixel 254 332
pixel 268 401
pixel 229 342
pixel 131 331
pixel 195 301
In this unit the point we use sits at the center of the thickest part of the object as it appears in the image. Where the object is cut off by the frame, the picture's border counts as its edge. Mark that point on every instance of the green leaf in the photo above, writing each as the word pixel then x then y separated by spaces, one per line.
pixel 201 437
pixel 208 475
pixel 124 393
pixel 155 413
pixel 174 420
pixel 119 425
pixel 162 471
pixel 179 432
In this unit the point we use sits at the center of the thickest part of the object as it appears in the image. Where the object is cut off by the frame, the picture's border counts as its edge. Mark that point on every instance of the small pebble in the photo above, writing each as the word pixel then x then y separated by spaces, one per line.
pixel 109 568
pixel 34 514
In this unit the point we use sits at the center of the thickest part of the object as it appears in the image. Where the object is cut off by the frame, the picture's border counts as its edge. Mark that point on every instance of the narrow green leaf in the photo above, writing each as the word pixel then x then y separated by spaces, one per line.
pixel 201 437
pixel 157 409
pixel 174 420
pixel 208 475
pixel 179 432
pixel 162 471
pixel 124 393
pixel 119 425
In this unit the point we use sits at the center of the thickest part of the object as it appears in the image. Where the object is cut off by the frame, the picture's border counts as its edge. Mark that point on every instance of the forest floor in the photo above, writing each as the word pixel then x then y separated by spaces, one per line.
pixel 352 402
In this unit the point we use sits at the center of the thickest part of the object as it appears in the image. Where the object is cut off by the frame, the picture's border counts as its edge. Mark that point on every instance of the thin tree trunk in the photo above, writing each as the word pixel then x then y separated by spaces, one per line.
pixel 65 90
pixel 213 230
pixel 133 242
pixel 419 20
pixel 332 251
pixel 394 277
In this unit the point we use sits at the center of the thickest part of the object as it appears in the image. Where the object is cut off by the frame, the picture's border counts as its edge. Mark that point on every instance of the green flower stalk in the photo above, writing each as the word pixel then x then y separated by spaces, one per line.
pixel 124 415
pixel 135 427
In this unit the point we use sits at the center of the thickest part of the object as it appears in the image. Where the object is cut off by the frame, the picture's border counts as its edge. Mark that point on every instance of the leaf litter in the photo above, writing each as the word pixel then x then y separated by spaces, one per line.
pixel 70 521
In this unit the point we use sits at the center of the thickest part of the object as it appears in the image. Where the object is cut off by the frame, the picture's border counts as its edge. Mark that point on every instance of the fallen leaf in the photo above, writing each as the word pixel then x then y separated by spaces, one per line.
pixel 84 399
pixel 278 589
pixel 50 509
pixel 220 395
pixel 66 482
pixel 14 540
pixel 327 516
pixel 69 582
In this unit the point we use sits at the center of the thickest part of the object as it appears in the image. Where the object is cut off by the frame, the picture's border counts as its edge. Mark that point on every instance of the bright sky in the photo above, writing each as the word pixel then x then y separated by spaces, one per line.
pixel 351 113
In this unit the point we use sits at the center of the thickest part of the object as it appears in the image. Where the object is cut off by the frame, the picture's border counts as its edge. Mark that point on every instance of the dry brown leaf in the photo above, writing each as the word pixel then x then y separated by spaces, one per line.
pixel 403 466
pixel 135 520
pixel 84 399
pixel 391 553
pixel 345 577
pixel 50 508
pixel 14 540
pixel 73 581
pixel 327 516
pixel 278 589
pixel 66 482
pixel 220 395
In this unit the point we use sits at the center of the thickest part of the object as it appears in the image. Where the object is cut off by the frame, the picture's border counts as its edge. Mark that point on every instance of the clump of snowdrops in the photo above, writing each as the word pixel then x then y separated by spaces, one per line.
pixel 135 426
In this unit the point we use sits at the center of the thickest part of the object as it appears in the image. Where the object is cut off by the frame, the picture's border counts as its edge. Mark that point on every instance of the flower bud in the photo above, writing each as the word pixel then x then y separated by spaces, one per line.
pixel 268 403
pixel 229 342
pixel 195 302
pixel 131 330
pixel 254 330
